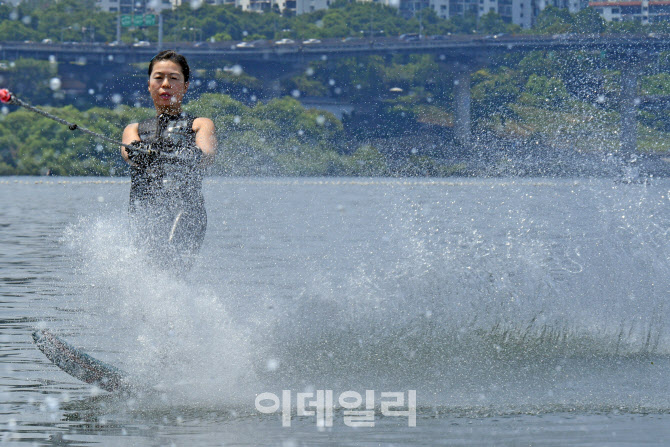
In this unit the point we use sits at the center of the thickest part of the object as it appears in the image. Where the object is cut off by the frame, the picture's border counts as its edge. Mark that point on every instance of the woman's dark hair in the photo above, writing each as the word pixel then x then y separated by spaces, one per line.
pixel 171 55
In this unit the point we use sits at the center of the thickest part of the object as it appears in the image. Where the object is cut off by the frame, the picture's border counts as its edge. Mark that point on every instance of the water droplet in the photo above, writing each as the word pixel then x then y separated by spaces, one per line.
pixel 55 84
pixel 295 93
pixel 116 98
pixel 321 120
pixel 272 365
pixel 51 403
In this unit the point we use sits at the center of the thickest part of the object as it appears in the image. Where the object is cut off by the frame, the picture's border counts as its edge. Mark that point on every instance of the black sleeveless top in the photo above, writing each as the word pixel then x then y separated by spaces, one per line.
pixel 167 182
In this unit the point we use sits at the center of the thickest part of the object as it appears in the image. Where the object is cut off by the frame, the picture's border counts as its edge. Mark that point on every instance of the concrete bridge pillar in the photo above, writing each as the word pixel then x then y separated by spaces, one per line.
pixel 462 109
pixel 628 107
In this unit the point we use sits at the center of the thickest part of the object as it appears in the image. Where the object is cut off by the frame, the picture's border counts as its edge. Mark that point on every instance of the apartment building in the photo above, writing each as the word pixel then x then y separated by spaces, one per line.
pixel 143 6
pixel 307 6
pixel 645 11
pixel 520 12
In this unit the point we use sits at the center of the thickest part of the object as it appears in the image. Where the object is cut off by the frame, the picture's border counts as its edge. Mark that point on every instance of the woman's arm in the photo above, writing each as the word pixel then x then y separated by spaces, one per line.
pixel 205 139
pixel 130 134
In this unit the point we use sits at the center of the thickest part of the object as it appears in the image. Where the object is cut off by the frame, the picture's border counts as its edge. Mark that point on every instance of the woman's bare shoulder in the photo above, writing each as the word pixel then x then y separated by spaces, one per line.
pixel 131 132
pixel 202 123
pixel 132 126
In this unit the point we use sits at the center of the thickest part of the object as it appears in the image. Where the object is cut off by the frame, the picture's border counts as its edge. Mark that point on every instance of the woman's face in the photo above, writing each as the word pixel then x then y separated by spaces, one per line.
pixel 167 86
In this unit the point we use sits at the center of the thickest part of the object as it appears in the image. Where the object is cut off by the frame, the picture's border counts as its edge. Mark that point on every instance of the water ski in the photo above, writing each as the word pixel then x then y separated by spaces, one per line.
pixel 80 365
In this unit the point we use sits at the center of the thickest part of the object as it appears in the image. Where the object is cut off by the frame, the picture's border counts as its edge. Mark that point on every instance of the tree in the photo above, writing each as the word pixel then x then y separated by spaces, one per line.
pixel 492 93
pixel 540 63
pixel 541 91
pixel 491 23
pixel 14 30
pixel 658 84
pixel 588 21
pixel 553 20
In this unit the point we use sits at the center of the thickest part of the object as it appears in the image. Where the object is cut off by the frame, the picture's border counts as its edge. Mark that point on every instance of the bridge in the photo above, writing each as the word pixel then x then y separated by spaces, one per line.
pixel 461 54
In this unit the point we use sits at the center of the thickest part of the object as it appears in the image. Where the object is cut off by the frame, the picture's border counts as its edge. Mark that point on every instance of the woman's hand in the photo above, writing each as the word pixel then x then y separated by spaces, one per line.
pixel 143 153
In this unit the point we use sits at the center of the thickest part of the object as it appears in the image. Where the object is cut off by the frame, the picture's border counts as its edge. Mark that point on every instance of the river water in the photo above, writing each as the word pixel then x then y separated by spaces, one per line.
pixel 516 311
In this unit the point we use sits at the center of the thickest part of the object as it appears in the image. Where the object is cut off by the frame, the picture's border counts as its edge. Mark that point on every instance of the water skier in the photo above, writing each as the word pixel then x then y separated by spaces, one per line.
pixel 167 207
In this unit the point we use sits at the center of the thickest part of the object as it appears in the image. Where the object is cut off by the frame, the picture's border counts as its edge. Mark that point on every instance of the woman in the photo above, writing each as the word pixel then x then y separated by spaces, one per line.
pixel 166 170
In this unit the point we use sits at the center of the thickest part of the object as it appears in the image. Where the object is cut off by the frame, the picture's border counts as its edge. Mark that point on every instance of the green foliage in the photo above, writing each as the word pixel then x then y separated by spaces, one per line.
pixel 588 21
pixel 553 20
pixel 658 84
pixel 33 145
pixel 491 23
pixel 75 20
pixel 404 96
pixel 540 63
pixel 14 30
pixel 32 76
pixel 541 91
pixel 492 93
pixel 627 27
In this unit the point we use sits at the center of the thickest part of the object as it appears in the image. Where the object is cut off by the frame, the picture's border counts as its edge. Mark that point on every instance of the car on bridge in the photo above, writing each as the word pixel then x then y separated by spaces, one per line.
pixel 409 37
pixel 285 41
pixel 251 44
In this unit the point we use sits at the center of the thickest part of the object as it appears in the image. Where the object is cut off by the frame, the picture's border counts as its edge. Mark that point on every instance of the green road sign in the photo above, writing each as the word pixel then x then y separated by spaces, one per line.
pixel 138 20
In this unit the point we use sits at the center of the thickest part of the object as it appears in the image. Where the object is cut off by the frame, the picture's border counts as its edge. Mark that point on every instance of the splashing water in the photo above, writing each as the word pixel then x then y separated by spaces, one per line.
pixel 174 336
pixel 512 293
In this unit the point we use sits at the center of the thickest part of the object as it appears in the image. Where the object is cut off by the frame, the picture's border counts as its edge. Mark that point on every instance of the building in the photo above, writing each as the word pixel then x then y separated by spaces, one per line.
pixel 307 6
pixel 645 11
pixel 520 12
pixel 134 6
pixel 142 6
